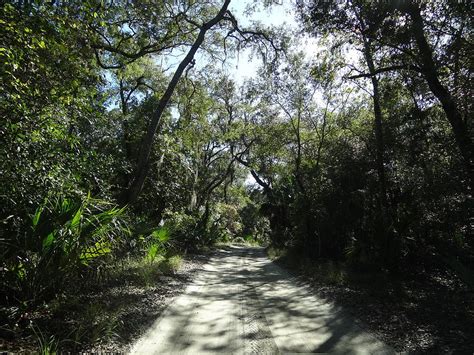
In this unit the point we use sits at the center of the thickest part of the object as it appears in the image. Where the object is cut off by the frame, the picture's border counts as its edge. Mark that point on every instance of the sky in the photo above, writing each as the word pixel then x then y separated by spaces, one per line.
pixel 281 13
pixel 277 15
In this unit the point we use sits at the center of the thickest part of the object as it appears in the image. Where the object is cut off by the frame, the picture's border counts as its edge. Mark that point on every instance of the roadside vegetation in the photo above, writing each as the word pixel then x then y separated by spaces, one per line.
pixel 421 312
pixel 126 147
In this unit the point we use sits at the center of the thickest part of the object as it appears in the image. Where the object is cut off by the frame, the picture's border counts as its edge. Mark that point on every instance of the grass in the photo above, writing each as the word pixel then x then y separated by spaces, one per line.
pixel 46 344
pixel 276 253
pixel 248 240
pixel 336 273
pixel 93 314
pixel 328 272
pixel 146 272
pixel 325 271
pixel 171 265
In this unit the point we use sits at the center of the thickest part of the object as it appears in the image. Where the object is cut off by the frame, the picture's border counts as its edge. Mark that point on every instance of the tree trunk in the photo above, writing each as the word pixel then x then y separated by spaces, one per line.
pixel 378 123
pixel 194 197
pixel 389 254
pixel 141 169
pixel 299 178
pixel 460 129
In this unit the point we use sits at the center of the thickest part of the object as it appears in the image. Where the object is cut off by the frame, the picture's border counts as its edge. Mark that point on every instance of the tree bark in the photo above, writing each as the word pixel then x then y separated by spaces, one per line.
pixel 141 169
pixel 193 202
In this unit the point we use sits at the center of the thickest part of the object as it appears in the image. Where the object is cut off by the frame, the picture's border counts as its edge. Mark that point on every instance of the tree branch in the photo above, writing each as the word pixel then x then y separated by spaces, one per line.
pixel 386 69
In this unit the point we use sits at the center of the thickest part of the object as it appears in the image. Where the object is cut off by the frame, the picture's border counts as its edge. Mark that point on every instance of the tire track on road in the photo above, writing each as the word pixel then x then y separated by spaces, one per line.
pixel 257 336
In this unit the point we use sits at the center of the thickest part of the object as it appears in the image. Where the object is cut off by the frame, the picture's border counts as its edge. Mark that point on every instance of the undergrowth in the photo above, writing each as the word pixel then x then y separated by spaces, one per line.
pixel 328 271
pixel 421 311
pixel 74 321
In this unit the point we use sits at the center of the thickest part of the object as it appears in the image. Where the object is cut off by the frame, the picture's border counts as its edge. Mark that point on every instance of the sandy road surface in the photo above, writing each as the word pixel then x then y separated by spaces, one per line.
pixel 242 303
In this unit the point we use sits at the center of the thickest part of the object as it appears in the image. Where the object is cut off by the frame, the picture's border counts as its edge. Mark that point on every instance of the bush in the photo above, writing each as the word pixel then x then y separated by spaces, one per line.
pixel 157 243
pixel 67 236
pixel 185 230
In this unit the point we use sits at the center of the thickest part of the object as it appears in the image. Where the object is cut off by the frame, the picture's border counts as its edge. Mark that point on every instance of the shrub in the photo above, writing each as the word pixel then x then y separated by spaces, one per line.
pixel 185 230
pixel 157 243
pixel 67 236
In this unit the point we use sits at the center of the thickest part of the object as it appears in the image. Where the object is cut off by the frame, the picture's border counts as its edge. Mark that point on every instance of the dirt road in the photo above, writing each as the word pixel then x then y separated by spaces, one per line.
pixel 242 303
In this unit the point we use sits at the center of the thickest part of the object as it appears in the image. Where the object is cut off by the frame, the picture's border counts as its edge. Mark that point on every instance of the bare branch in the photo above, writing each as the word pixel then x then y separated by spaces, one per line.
pixel 386 69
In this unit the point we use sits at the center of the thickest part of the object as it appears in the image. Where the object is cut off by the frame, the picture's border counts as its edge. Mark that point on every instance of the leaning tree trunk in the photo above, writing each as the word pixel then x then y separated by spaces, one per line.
pixel 459 127
pixel 142 166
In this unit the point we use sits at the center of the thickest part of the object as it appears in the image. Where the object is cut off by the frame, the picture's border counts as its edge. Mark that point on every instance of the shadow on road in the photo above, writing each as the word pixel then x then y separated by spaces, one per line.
pixel 241 302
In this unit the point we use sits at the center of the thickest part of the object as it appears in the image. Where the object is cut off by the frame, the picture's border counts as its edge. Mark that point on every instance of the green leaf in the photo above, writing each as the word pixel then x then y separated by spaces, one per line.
pixel 48 241
pixel 161 235
pixel 37 216
pixel 77 218
pixel 152 251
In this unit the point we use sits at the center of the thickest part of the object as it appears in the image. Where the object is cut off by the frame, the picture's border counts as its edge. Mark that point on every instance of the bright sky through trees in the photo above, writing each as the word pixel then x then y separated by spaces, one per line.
pixel 282 14
pixel 243 65
pixel 276 15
